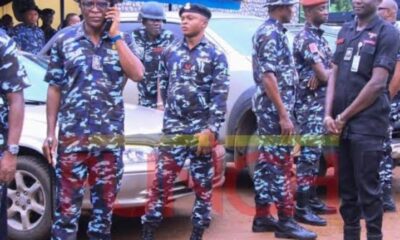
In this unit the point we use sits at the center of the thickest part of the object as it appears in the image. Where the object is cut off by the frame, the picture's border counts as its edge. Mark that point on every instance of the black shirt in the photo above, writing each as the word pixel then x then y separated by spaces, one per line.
pixel 377 46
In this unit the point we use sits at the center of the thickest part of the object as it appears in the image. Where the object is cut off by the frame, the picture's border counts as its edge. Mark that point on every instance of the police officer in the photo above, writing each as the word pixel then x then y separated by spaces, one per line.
pixel 194 87
pixel 357 109
pixel 28 36
pixel 388 11
pixel 47 16
pixel 88 69
pixel 6 23
pixel 275 77
pixel 151 40
pixel 13 80
pixel 312 57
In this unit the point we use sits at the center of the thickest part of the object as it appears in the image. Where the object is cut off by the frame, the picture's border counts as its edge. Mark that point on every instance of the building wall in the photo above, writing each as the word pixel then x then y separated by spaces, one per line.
pixel 248 7
pixel 70 6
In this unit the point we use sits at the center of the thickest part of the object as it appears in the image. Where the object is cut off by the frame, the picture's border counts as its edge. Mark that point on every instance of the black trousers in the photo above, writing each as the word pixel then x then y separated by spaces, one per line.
pixel 359 186
pixel 3 212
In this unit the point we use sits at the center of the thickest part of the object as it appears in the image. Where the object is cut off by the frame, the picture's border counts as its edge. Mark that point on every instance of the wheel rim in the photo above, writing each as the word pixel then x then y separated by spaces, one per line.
pixel 26 201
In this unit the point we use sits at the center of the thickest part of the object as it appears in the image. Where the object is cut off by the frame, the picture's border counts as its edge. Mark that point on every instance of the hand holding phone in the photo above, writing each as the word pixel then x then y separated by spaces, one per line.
pixel 109 22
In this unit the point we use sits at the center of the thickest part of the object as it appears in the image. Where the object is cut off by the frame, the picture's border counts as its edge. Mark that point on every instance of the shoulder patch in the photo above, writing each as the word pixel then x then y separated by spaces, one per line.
pixel 339 41
pixel 313 47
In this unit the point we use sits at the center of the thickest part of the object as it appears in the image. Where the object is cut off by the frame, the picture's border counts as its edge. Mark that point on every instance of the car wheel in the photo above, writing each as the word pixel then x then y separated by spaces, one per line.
pixel 29 200
pixel 252 154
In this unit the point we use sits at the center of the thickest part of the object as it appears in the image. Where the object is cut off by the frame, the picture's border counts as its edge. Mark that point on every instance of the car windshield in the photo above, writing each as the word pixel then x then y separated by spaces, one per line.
pixel 239 40
pixel 36 69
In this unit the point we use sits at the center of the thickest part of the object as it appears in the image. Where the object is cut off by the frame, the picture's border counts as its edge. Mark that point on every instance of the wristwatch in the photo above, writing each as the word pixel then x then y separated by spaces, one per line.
pixel 13 149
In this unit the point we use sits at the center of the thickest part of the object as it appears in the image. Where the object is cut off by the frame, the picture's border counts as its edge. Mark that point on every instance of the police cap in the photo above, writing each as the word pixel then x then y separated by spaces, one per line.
pixel 280 2
pixel 307 3
pixel 195 8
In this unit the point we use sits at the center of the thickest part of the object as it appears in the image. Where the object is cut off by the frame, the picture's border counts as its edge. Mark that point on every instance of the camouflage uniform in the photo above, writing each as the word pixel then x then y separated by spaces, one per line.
pixel 28 38
pixel 271 177
pixel 91 129
pixel 309 48
pixel 12 79
pixel 150 53
pixel 194 86
pixel 386 165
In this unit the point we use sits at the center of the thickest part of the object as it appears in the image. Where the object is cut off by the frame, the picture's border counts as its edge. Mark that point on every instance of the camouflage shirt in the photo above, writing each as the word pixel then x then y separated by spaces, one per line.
pixel 13 78
pixel 149 53
pixel 310 47
pixel 28 38
pixel 194 86
pixel 271 53
pixel 91 80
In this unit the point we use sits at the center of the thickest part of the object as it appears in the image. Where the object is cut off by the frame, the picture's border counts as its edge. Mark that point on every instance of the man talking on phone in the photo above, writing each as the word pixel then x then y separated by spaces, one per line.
pixel 89 65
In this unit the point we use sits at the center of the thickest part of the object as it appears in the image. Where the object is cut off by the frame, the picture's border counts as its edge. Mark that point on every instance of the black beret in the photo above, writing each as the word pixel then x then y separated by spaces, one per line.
pixel 195 8
pixel 28 8
pixel 47 12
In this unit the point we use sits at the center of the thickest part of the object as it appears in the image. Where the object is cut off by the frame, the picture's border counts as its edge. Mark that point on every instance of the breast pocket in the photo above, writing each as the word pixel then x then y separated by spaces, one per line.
pixel 367 59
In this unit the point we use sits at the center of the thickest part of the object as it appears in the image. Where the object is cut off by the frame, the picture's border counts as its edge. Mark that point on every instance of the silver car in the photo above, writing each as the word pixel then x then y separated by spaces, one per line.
pixel 31 195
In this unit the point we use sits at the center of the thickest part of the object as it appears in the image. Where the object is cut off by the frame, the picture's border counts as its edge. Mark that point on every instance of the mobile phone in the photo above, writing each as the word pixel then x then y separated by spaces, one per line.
pixel 109 22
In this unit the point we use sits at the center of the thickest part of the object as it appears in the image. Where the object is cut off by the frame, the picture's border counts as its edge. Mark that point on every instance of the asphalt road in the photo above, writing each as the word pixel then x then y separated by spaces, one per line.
pixel 232 216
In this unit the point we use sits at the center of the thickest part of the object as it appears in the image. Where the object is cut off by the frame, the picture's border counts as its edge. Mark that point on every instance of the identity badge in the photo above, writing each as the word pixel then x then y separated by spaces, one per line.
pixel 356 63
pixel 348 54
pixel 96 63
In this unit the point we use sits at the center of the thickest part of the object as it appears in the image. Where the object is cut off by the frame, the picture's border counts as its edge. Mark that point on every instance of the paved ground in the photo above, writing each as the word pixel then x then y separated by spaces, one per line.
pixel 233 213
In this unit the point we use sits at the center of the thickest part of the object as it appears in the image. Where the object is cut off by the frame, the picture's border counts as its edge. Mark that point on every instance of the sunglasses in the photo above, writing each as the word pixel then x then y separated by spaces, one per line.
pixel 101 5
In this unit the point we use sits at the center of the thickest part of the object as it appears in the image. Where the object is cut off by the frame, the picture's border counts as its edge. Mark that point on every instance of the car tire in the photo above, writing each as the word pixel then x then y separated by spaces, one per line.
pixel 30 200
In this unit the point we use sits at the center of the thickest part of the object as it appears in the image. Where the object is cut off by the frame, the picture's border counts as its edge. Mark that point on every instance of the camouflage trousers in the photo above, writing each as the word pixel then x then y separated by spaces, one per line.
pixel 103 172
pixel 310 123
pixel 386 164
pixel 170 162
pixel 273 169
pixel 148 93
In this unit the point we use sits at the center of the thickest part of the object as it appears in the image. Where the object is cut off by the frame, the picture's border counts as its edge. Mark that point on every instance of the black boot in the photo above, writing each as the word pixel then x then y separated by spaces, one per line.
pixel 289 228
pixel 264 221
pixel 351 233
pixel 147 232
pixel 388 202
pixel 197 233
pixel 303 212
pixel 317 205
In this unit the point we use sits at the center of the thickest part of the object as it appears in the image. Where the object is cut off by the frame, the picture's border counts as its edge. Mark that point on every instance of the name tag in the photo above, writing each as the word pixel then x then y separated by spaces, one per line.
pixel 96 63
pixel 348 54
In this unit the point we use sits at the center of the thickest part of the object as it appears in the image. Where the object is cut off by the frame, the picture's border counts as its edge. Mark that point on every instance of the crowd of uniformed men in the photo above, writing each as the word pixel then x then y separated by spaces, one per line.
pixel 346 93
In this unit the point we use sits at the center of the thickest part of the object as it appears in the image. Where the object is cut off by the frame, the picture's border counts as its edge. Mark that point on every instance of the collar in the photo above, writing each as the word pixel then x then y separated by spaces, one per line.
pixel 375 20
pixel 308 26
pixel 203 42
pixel 81 33
pixel 277 23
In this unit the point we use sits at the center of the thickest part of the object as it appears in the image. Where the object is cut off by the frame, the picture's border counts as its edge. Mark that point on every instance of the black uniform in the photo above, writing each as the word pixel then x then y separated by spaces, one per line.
pixel 360 148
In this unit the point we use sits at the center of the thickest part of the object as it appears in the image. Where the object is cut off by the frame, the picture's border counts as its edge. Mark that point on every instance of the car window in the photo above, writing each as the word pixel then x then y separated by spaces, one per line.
pixel 128 27
pixel 237 33
pixel 36 70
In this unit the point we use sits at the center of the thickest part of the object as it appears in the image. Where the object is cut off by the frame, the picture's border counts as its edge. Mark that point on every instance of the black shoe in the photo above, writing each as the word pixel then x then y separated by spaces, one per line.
pixel 291 229
pixel 197 233
pixel 319 207
pixel 307 216
pixel 388 202
pixel 264 224
pixel 147 232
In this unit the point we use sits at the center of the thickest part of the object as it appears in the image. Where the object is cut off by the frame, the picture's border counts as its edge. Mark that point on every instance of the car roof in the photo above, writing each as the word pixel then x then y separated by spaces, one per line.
pixel 174 16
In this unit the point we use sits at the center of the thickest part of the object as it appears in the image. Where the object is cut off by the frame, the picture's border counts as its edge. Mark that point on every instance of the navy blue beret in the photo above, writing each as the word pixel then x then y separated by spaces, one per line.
pixel 195 8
